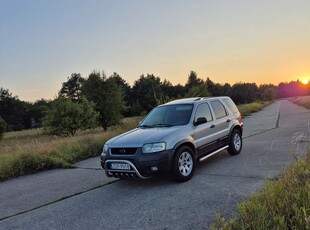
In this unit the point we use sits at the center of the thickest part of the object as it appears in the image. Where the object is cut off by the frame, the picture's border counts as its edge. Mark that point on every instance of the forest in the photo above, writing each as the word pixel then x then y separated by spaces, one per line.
pixel 100 100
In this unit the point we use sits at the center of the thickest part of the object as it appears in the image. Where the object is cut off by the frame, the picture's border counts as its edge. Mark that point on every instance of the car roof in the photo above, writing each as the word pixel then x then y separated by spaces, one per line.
pixel 193 100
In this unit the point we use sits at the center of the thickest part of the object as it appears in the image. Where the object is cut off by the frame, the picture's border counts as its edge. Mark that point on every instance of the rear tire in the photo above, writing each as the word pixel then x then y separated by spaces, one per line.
pixel 184 164
pixel 235 143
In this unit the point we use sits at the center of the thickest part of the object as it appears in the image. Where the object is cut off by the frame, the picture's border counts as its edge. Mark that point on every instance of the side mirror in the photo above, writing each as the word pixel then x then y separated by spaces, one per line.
pixel 200 120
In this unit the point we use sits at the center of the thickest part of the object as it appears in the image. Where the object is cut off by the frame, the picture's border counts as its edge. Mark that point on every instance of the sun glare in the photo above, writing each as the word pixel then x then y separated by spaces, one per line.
pixel 305 81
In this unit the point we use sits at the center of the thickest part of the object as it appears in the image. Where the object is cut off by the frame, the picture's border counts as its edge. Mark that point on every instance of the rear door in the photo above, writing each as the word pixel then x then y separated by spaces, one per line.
pixel 221 121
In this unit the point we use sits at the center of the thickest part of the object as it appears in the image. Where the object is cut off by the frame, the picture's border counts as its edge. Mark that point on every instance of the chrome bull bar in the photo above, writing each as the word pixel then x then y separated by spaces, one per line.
pixel 123 171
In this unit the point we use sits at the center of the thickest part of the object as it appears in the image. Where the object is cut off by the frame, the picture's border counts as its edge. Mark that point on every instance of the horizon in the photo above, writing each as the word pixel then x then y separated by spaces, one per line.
pixel 305 83
pixel 43 42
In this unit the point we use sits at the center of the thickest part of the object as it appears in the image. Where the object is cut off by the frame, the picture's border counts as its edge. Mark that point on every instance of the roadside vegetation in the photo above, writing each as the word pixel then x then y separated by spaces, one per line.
pixel 30 151
pixel 247 109
pixel 282 204
pixel 302 101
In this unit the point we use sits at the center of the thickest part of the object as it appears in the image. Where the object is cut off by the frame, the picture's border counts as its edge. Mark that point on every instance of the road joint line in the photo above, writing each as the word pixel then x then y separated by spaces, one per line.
pixel 56 201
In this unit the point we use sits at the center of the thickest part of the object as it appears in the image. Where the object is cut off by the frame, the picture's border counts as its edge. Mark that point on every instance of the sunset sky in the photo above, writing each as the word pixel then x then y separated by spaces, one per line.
pixel 43 41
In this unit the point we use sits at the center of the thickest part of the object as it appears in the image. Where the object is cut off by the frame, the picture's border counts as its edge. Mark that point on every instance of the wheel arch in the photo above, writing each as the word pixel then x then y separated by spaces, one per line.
pixel 238 127
pixel 185 143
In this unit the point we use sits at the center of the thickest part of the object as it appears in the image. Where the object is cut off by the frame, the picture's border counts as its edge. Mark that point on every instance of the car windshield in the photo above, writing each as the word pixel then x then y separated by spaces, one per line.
pixel 168 115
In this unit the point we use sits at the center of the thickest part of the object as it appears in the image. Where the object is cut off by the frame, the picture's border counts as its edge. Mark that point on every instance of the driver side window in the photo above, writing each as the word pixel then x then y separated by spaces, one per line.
pixel 203 110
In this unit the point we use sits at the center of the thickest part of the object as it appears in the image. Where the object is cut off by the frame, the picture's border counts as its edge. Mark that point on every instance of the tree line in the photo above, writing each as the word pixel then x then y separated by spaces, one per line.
pixel 101 100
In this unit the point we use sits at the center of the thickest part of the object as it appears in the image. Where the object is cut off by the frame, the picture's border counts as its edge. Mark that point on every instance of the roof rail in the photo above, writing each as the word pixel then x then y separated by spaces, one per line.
pixel 201 98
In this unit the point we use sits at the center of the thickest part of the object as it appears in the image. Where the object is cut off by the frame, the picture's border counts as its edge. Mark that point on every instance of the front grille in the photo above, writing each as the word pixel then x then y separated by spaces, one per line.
pixel 123 151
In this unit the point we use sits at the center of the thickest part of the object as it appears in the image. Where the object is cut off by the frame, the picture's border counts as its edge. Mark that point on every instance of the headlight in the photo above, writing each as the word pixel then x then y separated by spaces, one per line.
pixel 105 149
pixel 154 147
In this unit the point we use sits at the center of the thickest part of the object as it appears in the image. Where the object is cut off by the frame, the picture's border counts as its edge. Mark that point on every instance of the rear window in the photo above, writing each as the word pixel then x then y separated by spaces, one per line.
pixel 218 109
pixel 231 105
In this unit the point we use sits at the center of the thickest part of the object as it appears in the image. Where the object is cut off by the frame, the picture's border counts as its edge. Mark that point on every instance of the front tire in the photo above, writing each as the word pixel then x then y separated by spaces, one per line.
pixel 235 142
pixel 184 164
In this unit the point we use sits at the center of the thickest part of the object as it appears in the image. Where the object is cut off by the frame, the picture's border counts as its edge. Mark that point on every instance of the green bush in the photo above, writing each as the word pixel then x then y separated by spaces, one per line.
pixel 66 117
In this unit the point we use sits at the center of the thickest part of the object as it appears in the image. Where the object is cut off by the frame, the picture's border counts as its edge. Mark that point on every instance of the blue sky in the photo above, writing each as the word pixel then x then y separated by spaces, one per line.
pixel 43 41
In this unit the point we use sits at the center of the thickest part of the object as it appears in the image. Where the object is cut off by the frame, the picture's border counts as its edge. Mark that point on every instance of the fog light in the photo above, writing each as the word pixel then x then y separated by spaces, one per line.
pixel 154 168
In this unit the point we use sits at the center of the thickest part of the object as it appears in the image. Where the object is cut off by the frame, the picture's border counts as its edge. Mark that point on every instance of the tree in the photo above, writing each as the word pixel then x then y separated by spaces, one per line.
pixel 193 80
pixel 93 87
pixel 226 89
pixel 178 91
pixel 2 127
pixel 198 91
pixel 72 87
pixel 147 92
pixel 120 82
pixel 217 89
pixel 66 117
pixel 292 89
pixel 107 96
pixel 112 104
pixel 37 111
pixel 267 92
pixel 12 110
pixel 170 92
pixel 244 92
pixel 126 91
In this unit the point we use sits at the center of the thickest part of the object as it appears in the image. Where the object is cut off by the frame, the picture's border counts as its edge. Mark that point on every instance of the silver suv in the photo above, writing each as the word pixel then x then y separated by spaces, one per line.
pixel 173 136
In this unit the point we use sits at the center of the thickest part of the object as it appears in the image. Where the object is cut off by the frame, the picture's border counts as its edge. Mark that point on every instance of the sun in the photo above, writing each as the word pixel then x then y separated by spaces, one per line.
pixel 305 81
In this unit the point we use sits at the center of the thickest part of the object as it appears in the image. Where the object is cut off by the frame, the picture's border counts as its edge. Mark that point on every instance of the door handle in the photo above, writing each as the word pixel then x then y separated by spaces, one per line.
pixel 212 126
pixel 228 120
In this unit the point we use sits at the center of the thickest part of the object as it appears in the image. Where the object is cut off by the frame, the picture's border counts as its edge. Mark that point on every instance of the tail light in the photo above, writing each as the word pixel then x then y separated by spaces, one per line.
pixel 240 118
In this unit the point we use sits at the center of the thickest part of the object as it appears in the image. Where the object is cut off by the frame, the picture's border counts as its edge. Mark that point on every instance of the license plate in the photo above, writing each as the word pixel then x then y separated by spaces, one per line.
pixel 120 166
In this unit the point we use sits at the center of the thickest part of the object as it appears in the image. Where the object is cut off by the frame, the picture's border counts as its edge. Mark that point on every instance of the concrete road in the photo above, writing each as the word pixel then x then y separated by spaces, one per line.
pixel 83 198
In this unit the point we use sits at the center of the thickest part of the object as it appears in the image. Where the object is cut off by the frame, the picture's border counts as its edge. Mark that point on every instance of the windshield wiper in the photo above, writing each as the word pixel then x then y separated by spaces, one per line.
pixel 145 126
pixel 162 125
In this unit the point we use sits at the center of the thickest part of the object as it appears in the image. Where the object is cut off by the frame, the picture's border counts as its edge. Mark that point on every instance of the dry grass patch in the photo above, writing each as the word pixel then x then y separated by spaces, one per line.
pixel 247 109
pixel 31 151
pixel 302 101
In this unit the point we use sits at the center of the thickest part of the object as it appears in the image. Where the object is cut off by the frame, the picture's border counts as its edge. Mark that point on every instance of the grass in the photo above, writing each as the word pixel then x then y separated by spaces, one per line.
pixel 31 151
pixel 282 204
pixel 247 109
pixel 302 101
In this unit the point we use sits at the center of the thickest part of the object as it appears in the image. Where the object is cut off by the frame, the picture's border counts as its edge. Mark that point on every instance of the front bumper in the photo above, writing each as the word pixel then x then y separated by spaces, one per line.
pixel 142 165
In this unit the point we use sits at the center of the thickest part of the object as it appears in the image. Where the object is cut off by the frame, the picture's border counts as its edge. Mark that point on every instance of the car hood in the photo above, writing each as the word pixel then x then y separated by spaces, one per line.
pixel 139 136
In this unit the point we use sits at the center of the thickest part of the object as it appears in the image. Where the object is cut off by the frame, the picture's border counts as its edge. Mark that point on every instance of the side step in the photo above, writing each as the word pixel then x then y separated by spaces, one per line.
pixel 211 154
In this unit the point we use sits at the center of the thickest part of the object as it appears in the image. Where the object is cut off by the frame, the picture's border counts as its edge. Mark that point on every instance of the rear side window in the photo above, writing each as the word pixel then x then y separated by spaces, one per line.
pixel 231 105
pixel 218 109
pixel 203 110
